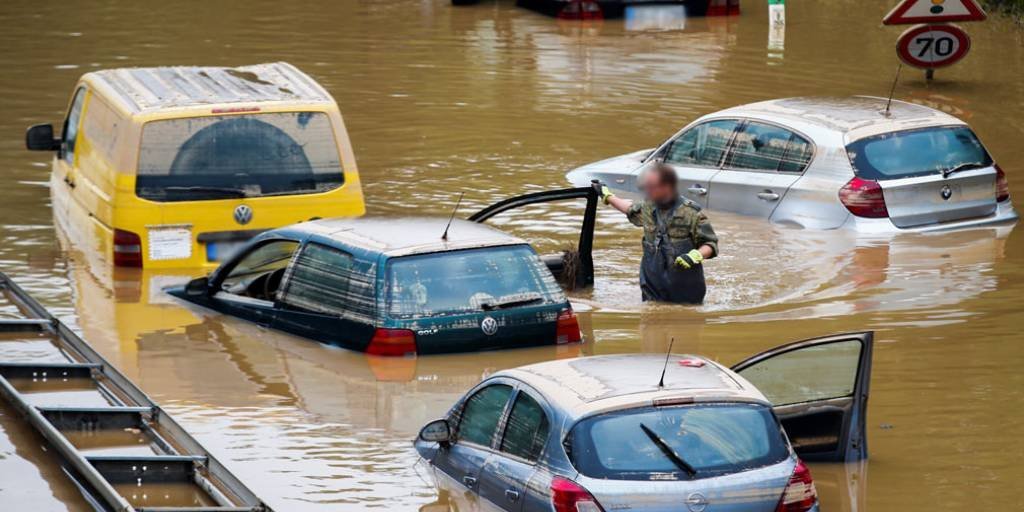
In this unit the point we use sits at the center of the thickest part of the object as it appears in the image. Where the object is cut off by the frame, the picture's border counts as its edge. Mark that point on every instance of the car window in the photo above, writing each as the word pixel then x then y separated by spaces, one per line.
pixel 714 439
pixel 759 146
pixel 920 152
pixel 808 374
pixel 702 145
pixel 468 281
pixel 71 125
pixel 527 429
pixel 261 261
pixel 798 154
pixel 481 414
pixel 328 280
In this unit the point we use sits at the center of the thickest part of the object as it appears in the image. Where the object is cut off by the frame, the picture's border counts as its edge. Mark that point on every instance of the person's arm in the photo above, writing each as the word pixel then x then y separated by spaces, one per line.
pixel 631 209
pixel 622 205
pixel 705 239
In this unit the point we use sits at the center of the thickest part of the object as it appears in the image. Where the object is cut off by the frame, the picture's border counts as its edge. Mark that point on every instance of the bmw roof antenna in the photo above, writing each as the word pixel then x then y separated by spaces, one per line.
pixel 661 383
pixel 450 219
pixel 892 91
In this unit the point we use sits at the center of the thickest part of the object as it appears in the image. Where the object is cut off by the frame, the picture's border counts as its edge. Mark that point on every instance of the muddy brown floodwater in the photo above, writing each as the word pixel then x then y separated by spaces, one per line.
pixel 491 100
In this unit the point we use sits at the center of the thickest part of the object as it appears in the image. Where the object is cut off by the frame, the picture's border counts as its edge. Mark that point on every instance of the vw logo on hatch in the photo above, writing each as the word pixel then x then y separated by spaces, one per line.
pixel 489 326
pixel 946 192
pixel 696 502
pixel 243 214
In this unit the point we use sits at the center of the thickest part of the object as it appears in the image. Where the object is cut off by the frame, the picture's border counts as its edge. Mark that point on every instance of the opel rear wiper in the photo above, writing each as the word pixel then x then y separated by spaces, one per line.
pixel 223 191
pixel 519 300
pixel 668 451
pixel 961 167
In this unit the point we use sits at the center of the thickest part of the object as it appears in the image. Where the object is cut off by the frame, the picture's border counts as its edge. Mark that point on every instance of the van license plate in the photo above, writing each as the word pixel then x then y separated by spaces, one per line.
pixel 221 251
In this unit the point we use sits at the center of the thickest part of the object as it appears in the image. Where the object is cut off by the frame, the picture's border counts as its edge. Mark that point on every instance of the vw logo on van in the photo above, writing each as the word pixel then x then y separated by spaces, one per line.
pixel 243 214
pixel 946 192
pixel 489 326
pixel 696 502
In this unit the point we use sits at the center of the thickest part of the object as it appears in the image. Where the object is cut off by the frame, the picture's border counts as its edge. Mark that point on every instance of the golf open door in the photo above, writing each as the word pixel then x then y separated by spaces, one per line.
pixel 819 390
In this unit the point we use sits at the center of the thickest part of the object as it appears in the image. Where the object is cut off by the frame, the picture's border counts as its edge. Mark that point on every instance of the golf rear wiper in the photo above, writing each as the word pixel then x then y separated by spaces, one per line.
pixel 668 451
pixel 962 167
pixel 223 191
pixel 516 301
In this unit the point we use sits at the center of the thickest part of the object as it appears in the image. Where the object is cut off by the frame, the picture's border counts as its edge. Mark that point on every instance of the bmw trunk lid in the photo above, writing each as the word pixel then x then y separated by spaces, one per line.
pixel 935 199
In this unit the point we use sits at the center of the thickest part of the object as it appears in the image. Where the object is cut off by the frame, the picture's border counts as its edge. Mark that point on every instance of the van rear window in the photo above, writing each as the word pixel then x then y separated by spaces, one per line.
pixel 713 439
pixel 251 155
pixel 920 152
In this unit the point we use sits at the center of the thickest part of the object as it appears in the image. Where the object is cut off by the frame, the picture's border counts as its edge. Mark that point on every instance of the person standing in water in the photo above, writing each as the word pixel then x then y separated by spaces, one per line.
pixel 677 238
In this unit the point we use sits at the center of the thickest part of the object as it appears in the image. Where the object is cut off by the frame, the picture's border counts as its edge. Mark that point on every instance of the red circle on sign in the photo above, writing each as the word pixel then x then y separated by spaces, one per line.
pixel 933 46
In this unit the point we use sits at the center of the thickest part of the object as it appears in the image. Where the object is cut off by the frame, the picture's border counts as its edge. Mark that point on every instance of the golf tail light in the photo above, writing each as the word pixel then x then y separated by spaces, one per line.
pixel 567 328
pixel 392 343
pixel 568 496
pixel 864 198
pixel 1002 186
pixel 800 494
pixel 127 249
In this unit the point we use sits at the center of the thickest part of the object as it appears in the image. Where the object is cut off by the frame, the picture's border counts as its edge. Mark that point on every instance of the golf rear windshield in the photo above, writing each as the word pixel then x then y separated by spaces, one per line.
pixel 468 281
pixel 235 156
pixel 921 152
pixel 713 439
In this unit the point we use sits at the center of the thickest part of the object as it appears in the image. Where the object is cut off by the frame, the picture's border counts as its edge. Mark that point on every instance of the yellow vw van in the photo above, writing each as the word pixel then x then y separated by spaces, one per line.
pixel 174 167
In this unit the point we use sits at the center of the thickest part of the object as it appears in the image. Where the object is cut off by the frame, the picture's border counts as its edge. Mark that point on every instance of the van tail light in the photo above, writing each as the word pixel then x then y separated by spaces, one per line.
pixel 127 249
pixel 569 496
pixel 581 10
pixel 723 8
pixel 800 494
pixel 567 328
pixel 864 199
pixel 392 343
pixel 1002 186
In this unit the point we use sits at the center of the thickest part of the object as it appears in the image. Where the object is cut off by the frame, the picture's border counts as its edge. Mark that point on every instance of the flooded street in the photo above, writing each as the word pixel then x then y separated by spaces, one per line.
pixel 494 101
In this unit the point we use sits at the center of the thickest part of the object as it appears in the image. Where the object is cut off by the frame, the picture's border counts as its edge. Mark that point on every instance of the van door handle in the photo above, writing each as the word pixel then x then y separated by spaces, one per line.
pixel 470 481
pixel 69 182
pixel 698 190
pixel 768 195
pixel 512 495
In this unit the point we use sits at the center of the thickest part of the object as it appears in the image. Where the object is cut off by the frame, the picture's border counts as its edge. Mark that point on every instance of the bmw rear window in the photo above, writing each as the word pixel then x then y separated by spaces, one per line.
pixel 713 439
pixel 909 153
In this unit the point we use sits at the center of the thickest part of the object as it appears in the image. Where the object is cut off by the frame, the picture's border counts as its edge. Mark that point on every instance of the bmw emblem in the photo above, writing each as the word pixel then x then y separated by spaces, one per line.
pixel 489 326
pixel 243 214
pixel 946 192
pixel 696 502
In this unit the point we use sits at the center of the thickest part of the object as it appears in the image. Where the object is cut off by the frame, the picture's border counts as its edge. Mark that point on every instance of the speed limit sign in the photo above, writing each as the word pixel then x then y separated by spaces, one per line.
pixel 933 46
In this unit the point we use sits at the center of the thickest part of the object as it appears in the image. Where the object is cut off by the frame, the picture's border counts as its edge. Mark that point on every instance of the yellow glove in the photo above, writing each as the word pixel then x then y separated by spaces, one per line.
pixel 690 259
pixel 603 191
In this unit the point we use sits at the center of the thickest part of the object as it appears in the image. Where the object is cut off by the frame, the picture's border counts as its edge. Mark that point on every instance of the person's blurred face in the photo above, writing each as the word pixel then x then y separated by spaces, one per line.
pixel 661 193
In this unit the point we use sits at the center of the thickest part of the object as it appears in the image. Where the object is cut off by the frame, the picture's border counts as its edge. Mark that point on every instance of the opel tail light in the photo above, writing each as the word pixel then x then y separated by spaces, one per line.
pixel 1002 186
pixel 127 249
pixel 864 198
pixel 569 496
pixel 392 342
pixel 800 494
pixel 567 328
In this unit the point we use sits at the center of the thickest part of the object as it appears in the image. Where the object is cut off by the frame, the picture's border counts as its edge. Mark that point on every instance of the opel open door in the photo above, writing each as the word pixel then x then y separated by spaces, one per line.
pixel 819 390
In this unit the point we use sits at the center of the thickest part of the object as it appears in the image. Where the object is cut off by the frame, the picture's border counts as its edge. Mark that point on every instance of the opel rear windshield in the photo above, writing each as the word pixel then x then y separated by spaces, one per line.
pixel 921 152
pixel 238 156
pixel 677 443
pixel 469 281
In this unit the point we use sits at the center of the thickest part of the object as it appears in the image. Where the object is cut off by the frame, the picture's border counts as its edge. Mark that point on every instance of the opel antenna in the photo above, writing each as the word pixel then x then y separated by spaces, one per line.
pixel 661 383
pixel 893 90
pixel 450 219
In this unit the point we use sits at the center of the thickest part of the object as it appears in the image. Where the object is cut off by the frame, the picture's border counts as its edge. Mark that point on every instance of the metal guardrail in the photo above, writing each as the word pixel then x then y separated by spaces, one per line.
pixel 178 458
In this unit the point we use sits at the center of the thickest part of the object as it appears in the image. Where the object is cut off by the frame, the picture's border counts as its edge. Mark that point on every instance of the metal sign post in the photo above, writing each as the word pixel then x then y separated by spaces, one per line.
pixel 933 43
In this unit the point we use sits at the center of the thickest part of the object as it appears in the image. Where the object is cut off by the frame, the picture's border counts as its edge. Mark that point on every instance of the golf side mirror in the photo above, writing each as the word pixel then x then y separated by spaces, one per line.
pixel 40 138
pixel 198 287
pixel 437 431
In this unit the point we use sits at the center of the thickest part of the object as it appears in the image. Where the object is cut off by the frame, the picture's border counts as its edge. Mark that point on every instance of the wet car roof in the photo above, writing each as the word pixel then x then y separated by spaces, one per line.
pixel 150 89
pixel 587 384
pixel 406 235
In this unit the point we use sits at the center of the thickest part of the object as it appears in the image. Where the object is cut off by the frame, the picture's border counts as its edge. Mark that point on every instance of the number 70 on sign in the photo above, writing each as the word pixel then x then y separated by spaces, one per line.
pixel 933 46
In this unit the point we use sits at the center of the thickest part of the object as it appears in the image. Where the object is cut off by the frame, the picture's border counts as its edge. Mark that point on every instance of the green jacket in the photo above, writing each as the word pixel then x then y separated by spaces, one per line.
pixel 688 222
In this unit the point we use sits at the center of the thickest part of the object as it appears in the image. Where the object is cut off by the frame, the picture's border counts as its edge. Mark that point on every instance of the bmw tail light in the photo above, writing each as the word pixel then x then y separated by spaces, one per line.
pixel 127 249
pixel 1002 186
pixel 800 494
pixel 392 343
pixel 864 198
pixel 567 328
pixel 568 496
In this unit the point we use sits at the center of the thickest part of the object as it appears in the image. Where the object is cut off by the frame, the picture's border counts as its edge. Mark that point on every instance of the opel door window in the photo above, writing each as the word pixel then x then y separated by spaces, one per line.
pixel 481 414
pixel 526 430
pixel 702 145
pixel 259 272
pixel 234 156
pixel 71 126
pixel 815 373
pixel 331 281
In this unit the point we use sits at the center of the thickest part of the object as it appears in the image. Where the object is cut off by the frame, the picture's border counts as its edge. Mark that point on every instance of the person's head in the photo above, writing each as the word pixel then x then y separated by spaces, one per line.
pixel 660 184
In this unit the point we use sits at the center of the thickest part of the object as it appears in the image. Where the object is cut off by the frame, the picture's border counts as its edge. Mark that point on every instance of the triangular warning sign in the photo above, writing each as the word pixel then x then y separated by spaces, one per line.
pixel 934 11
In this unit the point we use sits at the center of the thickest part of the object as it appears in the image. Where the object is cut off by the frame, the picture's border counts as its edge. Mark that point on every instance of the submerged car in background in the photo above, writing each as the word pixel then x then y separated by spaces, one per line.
pixel 824 163
pixel 174 167
pixel 396 287
pixel 602 433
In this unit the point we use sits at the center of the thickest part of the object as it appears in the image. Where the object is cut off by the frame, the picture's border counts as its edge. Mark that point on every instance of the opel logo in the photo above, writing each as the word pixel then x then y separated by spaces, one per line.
pixel 243 214
pixel 489 326
pixel 696 502
pixel 946 192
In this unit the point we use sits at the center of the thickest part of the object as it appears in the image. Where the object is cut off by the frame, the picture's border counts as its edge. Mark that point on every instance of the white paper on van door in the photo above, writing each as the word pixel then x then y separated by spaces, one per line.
pixel 170 243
